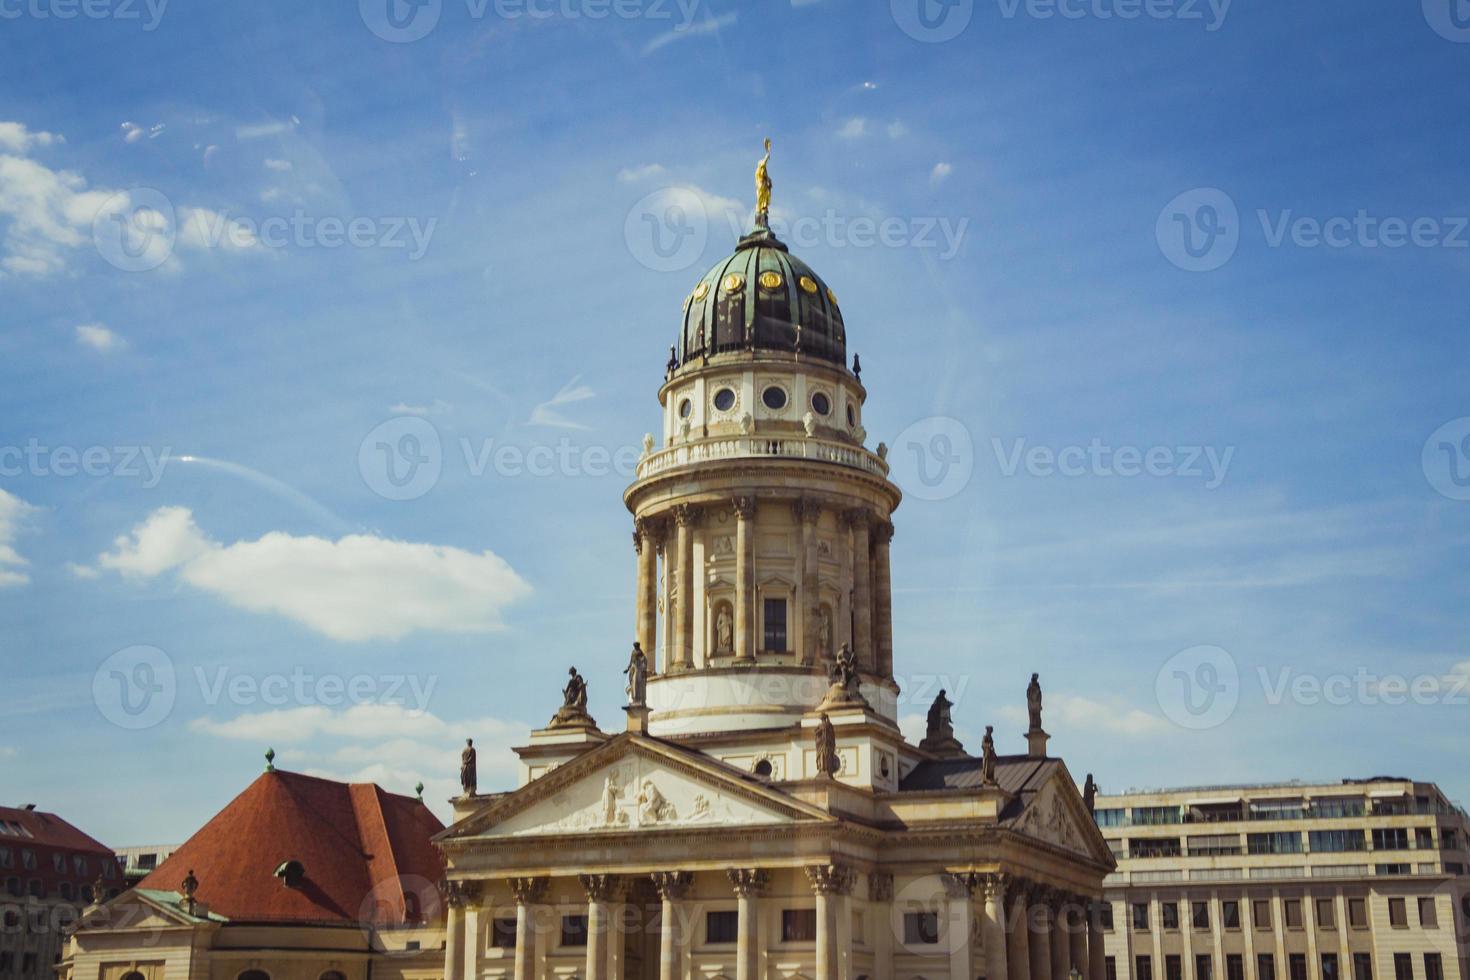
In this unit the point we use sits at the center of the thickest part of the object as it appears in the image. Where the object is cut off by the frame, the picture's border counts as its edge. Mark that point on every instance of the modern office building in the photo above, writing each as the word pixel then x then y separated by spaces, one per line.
pixel 1364 878
pixel 140 861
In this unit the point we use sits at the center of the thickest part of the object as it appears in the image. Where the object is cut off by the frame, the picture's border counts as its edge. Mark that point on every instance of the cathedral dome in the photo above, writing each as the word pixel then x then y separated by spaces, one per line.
pixel 761 298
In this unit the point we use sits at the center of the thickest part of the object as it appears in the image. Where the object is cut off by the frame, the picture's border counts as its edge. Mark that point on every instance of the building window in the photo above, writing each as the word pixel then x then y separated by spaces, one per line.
pixel 1230 914
pixel 1261 913
pixel 1433 967
pixel 333 975
pixel 1173 968
pixel 1403 966
pixel 1281 842
pixel 774 398
pixel 775 625
pixel 1154 847
pixel 1143 968
pixel 1153 816
pixel 1325 918
pixel 1357 913
pixel 254 975
pixel 1169 912
pixel 28 859
pixel 1140 917
pixel 686 408
pixel 722 927
pixel 1424 838
pixel 58 862
pixel 1111 818
pixel 724 399
pixel 574 930
pixel 1362 966
pixel 28 963
pixel 1296 966
pixel 503 933
pixel 1390 839
pixel 1265 966
pixel 7 960
pixel 1105 916
pixel 1234 967
pixel 1204 967
pixel 1110 968
pixel 1200 915
pixel 921 929
pixel 1392 869
pixel 1336 841
pixel 799 925
pixel 37 888
pixel 1329 966
pixel 821 404
pixel 1398 917
pixel 79 862
pixel 1293 909
pixel 7 858
pixel 1428 914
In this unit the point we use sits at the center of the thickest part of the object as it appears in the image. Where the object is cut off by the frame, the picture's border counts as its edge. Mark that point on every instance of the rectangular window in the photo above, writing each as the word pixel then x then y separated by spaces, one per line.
pixel 1325 918
pixel 1265 966
pixel 1423 838
pixel 28 962
pixel 1173 968
pixel 1261 913
pixel 1204 967
pixel 775 625
pixel 722 926
pixel 1105 916
pixel 1143 968
pixel 921 929
pixel 574 930
pixel 1398 916
pixel 1234 967
pixel 1140 917
pixel 1428 916
pixel 1293 909
pixel 1362 966
pixel 1296 965
pixel 1110 968
pixel 1336 841
pixel 1153 816
pixel 1154 847
pixel 503 934
pixel 1329 966
pixel 799 925
pixel 1200 915
pixel 1110 818
pixel 1403 966
pixel 1390 839
pixel 1357 913
pixel 1230 914
pixel 1170 914
pixel 1280 842
pixel 7 858
pixel 1433 967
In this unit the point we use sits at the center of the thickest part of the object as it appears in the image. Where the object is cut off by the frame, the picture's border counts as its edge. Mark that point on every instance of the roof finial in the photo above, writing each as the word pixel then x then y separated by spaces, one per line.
pixel 270 759
pixel 763 190
pixel 419 790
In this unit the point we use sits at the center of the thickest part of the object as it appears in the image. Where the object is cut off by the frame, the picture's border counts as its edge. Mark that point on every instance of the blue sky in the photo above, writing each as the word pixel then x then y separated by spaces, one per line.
pixel 1187 479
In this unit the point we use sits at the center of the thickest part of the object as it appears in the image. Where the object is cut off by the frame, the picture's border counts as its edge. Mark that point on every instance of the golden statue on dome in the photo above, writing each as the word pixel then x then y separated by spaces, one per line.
pixel 763 188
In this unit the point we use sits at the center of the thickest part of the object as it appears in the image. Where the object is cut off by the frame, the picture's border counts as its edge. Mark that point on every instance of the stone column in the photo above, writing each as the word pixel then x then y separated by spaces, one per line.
pixel 1096 955
pixel 673 888
pixel 1018 941
pixel 644 543
pixel 1061 950
pixel 883 598
pixel 960 889
pixel 1040 937
pixel 862 589
pixel 748 883
pixel 1077 920
pixel 474 943
pixel 528 892
pixel 745 618
pixel 842 615
pixel 685 517
pixel 601 890
pixel 828 881
pixel 880 900
pixel 808 596
pixel 453 933
pixel 993 926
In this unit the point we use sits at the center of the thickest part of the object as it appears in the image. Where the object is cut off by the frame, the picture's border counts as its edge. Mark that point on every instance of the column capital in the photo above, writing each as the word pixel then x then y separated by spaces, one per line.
pixel 806 510
pixel 469 892
pixel 996 884
pixel 454 894
pixel 882 532
pixel 961 884
pixel 529 891
pixel 749 882
pixel 880 887
pixel 857 518
pixel 687 515
pixel 672 886
pixel 601 888
pixel 744 507
pixel 830 879
pixel 647 529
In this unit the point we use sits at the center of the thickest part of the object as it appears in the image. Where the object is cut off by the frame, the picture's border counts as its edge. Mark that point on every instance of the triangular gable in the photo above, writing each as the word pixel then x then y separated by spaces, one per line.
pixel 631 783
pixel 1055 813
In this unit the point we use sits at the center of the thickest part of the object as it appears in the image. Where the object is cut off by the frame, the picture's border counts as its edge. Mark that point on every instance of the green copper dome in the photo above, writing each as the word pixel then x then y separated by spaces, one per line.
pixel 761 298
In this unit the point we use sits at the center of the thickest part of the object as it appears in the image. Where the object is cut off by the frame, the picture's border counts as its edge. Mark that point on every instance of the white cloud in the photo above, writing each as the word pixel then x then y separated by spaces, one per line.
pixel 382 721
pixel 1082 714
pixel 49 212
pixel 547 413
pixel 15 138
pixel 133 133
pixel 897 130
pixel 854 128
pixel 940 173
pixel 279 166
pixel 633 175
pixel 7 752
pixel 261 130
pixel 359 587
pixel 98 337
pixel 437 407
pixel 710 25
pixel 204 228
pixel 13 512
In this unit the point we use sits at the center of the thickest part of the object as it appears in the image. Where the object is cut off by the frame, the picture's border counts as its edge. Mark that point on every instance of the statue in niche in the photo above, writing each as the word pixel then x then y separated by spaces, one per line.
pixel 652 807
pixel 611 793
pixel 824 633
pixel 724 631
pixel 637 671
pixel 467 778
pixel 828 761
pixel 1033 701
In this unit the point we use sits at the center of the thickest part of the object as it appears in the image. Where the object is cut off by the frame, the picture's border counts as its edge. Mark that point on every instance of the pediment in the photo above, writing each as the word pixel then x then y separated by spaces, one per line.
pixel 1056 814
pixel 633 785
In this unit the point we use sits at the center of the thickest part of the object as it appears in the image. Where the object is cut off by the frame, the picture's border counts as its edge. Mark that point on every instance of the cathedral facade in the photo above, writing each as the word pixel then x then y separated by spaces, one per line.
pixel 758 814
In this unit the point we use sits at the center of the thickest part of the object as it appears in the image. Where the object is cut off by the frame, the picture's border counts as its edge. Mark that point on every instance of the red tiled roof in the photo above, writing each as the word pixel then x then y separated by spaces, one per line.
pixel 49 829
pixel 367 854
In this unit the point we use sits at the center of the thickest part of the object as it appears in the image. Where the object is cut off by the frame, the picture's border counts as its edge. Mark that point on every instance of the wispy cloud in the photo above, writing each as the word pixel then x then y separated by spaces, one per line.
pixel 98 337
pixel 437 407
pixel 548 412
pixel 703 28
pixel 16 138
pixel 940 173
pixel 13 513
pixel 134 133
pixel 855 128
pixel 633 175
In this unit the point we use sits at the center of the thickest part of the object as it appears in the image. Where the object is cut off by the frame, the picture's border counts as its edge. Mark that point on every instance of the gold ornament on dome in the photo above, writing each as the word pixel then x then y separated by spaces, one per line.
pixel 701 291
pixel 687 300
pixel 771 280
pixel 808 284
pixel 733 282
pixel 831 296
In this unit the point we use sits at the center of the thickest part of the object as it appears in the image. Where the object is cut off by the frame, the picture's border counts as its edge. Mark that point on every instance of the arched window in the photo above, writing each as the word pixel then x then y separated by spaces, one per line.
pixel 332 975
pixel 254 975
pixel 132 975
